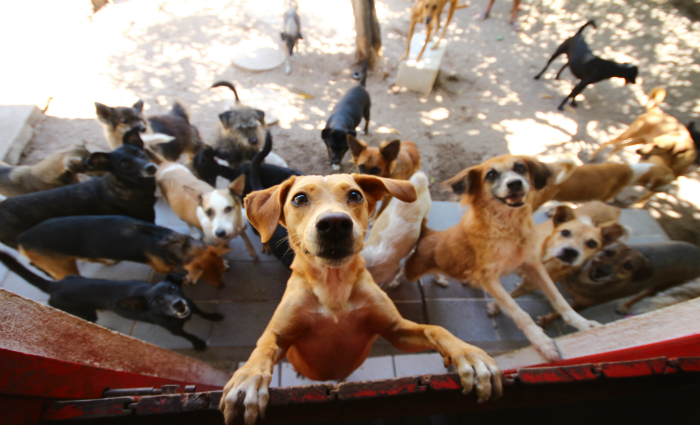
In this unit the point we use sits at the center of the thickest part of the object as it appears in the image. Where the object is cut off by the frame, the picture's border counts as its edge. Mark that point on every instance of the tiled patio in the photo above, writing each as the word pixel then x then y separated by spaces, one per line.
pixel 253 290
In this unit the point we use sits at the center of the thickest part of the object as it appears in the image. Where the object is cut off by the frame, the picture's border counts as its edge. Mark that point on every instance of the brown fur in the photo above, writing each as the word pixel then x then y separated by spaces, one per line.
pixel 430 10
pixel 59 169
pixel 495 237
pixel 332 310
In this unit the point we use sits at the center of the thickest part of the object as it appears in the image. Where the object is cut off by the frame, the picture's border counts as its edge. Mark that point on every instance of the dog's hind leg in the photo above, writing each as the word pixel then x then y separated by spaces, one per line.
pixel 561 70
pixel 212 317
pixel 249 247
pixel 55 266
pixel 365 114
pixel 575 92
pixel 525 287
pixel 410 36
pixel 625 307
pixel 447 23
pixel 85 313
pixel 560 50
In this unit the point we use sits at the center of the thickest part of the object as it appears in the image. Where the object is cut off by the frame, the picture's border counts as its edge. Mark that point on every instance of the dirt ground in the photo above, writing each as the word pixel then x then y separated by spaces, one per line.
pixel 486 102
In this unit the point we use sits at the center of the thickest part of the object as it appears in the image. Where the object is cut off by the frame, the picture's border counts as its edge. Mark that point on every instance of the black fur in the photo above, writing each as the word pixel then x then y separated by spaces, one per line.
pixel 586 66
pixel 127 188
pixel 346 116
pixel 176 124
pixel 135 300
pixel 695 134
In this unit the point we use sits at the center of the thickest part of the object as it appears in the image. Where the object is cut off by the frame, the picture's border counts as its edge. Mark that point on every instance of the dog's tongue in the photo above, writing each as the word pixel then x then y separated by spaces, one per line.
pixel 514 199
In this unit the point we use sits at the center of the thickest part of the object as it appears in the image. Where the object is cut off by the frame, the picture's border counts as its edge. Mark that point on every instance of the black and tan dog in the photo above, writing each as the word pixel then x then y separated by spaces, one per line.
pixel 346 116
pixel 240 131
pixel 621 270
pixel 183 136
pixel 54 246
pixel 586 66
pixel 292 31
pixel 127 188
pixel 162 304
pixel 58 169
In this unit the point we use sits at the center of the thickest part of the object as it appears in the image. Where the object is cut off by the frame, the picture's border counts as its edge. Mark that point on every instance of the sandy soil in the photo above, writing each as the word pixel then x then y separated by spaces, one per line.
pixel 486 102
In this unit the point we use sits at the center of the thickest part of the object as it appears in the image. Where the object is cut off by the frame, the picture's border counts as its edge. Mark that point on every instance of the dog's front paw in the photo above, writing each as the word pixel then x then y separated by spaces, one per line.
pixel 441 280
pixel 580 323
pixel 493 309
pixel 476 368
pixel 199 345
pixel 246 394
pixel 543 344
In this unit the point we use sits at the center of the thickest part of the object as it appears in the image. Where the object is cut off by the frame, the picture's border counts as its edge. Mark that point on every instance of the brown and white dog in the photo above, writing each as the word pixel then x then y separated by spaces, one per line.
pixel 496 237
pixel 332 311
pixel 658 132
pixel 569 239
pixel 395 159
pixel 217 213
pixel 430 11
pixel 395 233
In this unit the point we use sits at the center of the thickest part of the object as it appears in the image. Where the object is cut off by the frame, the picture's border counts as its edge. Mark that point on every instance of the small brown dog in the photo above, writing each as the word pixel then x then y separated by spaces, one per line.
pixel 658 131
pixel 568 240
pixel 58 169
pixel 496 237
pixel 332 311
pixel 430 11
pixel 396 160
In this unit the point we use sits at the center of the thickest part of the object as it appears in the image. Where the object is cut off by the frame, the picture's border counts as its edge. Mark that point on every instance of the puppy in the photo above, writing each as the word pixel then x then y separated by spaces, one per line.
pixel 395 234
pixel 496 237
pixel 332 311
pixel 241 128
pixel 216 213
pixel 56 244
pixel 566 241
pixel 346 116
pixel 127 188
pixel 58 169
pixel 174 133
pixel 395 159
pixel 162 304
pixel 513 14
pixel 620 271
pixel 586 66
pixel 660 133
pixel 430 11
pixel 292 31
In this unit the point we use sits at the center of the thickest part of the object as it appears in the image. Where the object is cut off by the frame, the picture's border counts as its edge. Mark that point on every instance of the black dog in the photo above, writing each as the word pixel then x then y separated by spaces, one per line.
pixel 586 66
pixel 695 134
pixel 345 117
pixel 162 304
pixel 176 123
pixel 128 188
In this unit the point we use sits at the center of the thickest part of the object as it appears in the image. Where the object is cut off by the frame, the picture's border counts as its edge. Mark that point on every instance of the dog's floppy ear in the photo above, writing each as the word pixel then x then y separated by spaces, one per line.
pixel 539 172
pixel 612 233
pixel 260 116
pixel 390 150
pixel 467 181
pixel 133 138
pixel 562 214
pixel 376 187
pixel 237 186
pixel 194 272
pixel 104 112
pixel 356 146
pixel 135 304
pixel 98 161
pixel 353 132
pixel 265 208
pixel 138 106
pixel 226 119
pixel 194 193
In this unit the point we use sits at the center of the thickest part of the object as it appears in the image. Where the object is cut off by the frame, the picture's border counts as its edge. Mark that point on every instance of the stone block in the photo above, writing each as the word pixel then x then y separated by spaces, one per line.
pixel 420 76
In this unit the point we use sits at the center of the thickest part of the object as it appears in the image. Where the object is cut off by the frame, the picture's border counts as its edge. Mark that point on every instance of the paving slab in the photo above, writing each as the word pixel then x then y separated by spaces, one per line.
pixel 454 291
pixel 246 281
pixel 444 215
pixel 290 378
pixel 243 323
pixel 16 130
pixel 374 368
pixel 508 331
pixel 466 319
pixel 115 322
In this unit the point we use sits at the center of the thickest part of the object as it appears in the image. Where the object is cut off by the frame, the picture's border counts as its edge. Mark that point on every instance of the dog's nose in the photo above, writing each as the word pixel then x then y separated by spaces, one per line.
pixel 568 255
pixel 142 128
pixel 253 140
pixel 220 233
pixel 515 184
pixel 151 169
pixel 334 226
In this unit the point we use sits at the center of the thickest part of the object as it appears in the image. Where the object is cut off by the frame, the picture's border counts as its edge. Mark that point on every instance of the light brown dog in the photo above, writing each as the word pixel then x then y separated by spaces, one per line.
pixel 395 159
pixel 496 237
pixel 568 240
pixel 430 11
pixel 58 169
pixel 655 128
pixel 332 311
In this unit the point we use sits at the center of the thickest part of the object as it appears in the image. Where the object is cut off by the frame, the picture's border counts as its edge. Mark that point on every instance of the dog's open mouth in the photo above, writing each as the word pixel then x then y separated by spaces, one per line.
pixel 181 308
pixel 598 274
pixel 514 199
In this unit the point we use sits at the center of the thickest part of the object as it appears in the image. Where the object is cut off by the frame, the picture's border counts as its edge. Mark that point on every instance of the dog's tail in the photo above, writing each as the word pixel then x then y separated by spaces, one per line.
pixel 255 181
pixel 17 268
pixel 230 86
pixel 181 111
pixel 591 23
pixel 364 74
pixel 656 96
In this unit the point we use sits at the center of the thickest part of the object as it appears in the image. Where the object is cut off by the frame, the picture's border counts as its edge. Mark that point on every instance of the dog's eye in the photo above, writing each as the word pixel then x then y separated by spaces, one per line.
pixel 375 171
pixel 172 289
pixel 210 213
pixel 491 175
pixel 628 265
pixel 228 209
pixel 355 196
pixel 592 244
pixel 300 199
pixel 520 168
pixel 565 233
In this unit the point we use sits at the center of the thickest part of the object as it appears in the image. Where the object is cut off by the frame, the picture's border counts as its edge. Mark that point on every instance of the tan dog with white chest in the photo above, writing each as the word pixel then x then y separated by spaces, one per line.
pixel 430 11
pixel 496 237
pixel 215 212
pixel 332 311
